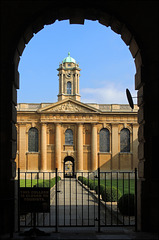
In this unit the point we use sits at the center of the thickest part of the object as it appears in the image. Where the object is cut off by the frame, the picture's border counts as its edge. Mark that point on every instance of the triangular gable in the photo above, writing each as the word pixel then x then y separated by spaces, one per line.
pixel 69 105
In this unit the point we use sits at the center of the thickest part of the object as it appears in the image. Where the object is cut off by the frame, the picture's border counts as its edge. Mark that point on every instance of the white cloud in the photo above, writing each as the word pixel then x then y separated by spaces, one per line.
pixel 109 94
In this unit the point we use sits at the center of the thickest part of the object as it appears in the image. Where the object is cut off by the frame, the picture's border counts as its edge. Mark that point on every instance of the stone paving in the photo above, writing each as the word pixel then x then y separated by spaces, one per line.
pixel 77 207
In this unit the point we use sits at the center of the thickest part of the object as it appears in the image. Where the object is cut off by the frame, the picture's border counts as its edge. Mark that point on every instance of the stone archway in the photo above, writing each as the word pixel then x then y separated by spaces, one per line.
pixel 21 23
pixel 69 166
pixel 78 16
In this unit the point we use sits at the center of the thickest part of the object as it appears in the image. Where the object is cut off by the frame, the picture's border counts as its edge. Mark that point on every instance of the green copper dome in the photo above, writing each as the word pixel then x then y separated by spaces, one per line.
pixel 69 59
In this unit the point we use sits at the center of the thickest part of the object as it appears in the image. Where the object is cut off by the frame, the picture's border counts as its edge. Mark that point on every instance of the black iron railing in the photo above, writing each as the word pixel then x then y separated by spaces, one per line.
pixel 90 199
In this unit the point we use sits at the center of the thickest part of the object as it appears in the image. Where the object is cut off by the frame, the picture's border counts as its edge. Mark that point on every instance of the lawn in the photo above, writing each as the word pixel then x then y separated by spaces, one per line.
pixel 29 183
pixel 126 182
pixel 38 183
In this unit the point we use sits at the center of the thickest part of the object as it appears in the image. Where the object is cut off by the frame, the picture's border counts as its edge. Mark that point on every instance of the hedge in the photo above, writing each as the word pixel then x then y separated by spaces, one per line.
pixel 102 187
pixel 126 204
pixel 110 195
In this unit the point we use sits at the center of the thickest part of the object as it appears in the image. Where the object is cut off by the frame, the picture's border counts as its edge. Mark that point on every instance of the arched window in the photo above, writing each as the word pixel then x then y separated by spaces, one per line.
pixel 33 140
pixel 125 140
pixel 104 140
pixel 69 137
pixel 68 87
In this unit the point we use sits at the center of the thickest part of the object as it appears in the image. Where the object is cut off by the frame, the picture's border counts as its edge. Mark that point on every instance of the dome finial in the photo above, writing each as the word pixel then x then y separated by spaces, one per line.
pixel 69 59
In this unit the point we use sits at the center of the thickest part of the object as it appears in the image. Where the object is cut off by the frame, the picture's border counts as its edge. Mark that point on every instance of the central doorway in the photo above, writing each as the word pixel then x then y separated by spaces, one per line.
pixel 69 167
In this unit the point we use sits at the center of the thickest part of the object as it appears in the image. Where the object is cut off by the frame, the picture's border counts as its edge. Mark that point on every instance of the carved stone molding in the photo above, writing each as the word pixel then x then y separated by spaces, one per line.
pixel 69 107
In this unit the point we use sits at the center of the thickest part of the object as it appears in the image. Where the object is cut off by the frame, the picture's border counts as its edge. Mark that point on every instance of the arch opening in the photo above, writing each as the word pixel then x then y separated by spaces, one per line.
pixel 103 18
pixel 69 167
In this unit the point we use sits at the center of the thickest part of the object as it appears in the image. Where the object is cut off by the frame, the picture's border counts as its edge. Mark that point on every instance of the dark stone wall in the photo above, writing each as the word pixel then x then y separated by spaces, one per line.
pixel 137 23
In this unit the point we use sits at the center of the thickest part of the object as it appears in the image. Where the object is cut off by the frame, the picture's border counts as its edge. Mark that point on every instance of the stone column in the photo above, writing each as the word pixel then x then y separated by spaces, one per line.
pixel 43 147
pixel 58 146
pixel 61 82
pixel 22 147
pixel 115 147
pixel 79 147
pixel 94 164
pixel 77 78
pixel 75 82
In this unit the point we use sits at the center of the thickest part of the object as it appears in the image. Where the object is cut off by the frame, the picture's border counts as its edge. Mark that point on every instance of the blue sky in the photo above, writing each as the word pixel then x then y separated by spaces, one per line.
pixel 106 62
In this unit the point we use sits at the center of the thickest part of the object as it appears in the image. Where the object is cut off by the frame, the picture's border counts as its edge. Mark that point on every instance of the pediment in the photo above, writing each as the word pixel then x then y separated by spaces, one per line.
pixel 69 106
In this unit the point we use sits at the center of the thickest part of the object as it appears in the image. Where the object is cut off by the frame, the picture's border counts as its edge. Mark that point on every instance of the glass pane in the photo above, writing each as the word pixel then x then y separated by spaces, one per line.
pixel 68 87
pixel 125 140
pixel 104 139
pixel 33 140
pixel 69 137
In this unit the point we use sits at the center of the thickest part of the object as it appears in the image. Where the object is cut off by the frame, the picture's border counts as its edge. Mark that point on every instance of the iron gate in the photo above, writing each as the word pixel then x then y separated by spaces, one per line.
pixel 86 200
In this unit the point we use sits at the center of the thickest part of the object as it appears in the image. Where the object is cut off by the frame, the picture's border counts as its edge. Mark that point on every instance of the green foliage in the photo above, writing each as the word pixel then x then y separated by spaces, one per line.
pixel 92 184
pixel 80 178
pixel 102 187
pixel 39 183
pixel 85 181
pixel 29 182
pixel 110 195
pixel 120 183
pixel 126 204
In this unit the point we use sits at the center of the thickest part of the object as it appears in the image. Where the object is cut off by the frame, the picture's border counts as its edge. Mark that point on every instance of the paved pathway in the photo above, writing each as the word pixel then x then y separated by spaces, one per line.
pixel 76 206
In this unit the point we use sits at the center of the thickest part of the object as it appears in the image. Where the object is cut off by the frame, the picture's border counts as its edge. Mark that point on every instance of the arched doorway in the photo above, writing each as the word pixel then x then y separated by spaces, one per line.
pixel 69 167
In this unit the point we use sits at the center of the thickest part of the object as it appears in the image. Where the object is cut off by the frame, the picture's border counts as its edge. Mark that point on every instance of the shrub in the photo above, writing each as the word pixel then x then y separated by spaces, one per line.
pixel 91 184
pixel 126 205
pixel 109 195
pixel 85 181
pixel 102 187
pixel 80 178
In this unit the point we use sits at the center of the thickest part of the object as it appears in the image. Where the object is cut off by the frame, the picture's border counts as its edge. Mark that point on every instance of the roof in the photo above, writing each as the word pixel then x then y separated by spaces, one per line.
pixel 69 59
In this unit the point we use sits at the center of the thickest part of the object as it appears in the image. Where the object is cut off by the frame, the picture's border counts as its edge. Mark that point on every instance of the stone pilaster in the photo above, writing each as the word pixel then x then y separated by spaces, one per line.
pixel 22 147
pixel 43 147
pixel 115 147
pixel 79 146
pixel 58 146
pixel 94 164
pixel 61 82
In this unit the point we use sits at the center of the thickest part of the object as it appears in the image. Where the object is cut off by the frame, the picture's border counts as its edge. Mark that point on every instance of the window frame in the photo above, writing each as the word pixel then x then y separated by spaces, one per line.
pixel 127 145
pixel 34 149
pixel 107 139
pixel 69 89
pixel 71 141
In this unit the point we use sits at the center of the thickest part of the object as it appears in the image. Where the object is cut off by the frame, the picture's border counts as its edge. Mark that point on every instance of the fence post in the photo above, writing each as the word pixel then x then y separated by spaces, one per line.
pixel 56 204
pixel 98 199
pixel 135 199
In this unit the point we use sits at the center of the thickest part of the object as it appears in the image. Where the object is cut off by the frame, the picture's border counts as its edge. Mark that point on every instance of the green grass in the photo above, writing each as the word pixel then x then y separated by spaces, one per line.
pixel 38 183
pixel 120 185
pixel 28 183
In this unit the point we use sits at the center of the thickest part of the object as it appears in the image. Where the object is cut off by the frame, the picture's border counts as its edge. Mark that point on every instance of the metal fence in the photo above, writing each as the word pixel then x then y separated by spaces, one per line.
pixel 89 199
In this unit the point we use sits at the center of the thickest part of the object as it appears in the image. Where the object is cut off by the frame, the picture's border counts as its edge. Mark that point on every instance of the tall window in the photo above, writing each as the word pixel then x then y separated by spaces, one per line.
pixel 125 140
pixel 68 87
pixel 69 137
pixel 33 140
pixel 104 140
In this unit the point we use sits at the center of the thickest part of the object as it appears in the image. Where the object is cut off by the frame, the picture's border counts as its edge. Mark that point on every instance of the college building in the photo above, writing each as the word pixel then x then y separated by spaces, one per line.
pixel 74 136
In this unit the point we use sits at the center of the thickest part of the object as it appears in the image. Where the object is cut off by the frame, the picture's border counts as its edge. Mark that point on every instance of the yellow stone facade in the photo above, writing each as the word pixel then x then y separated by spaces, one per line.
pixel 85 121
